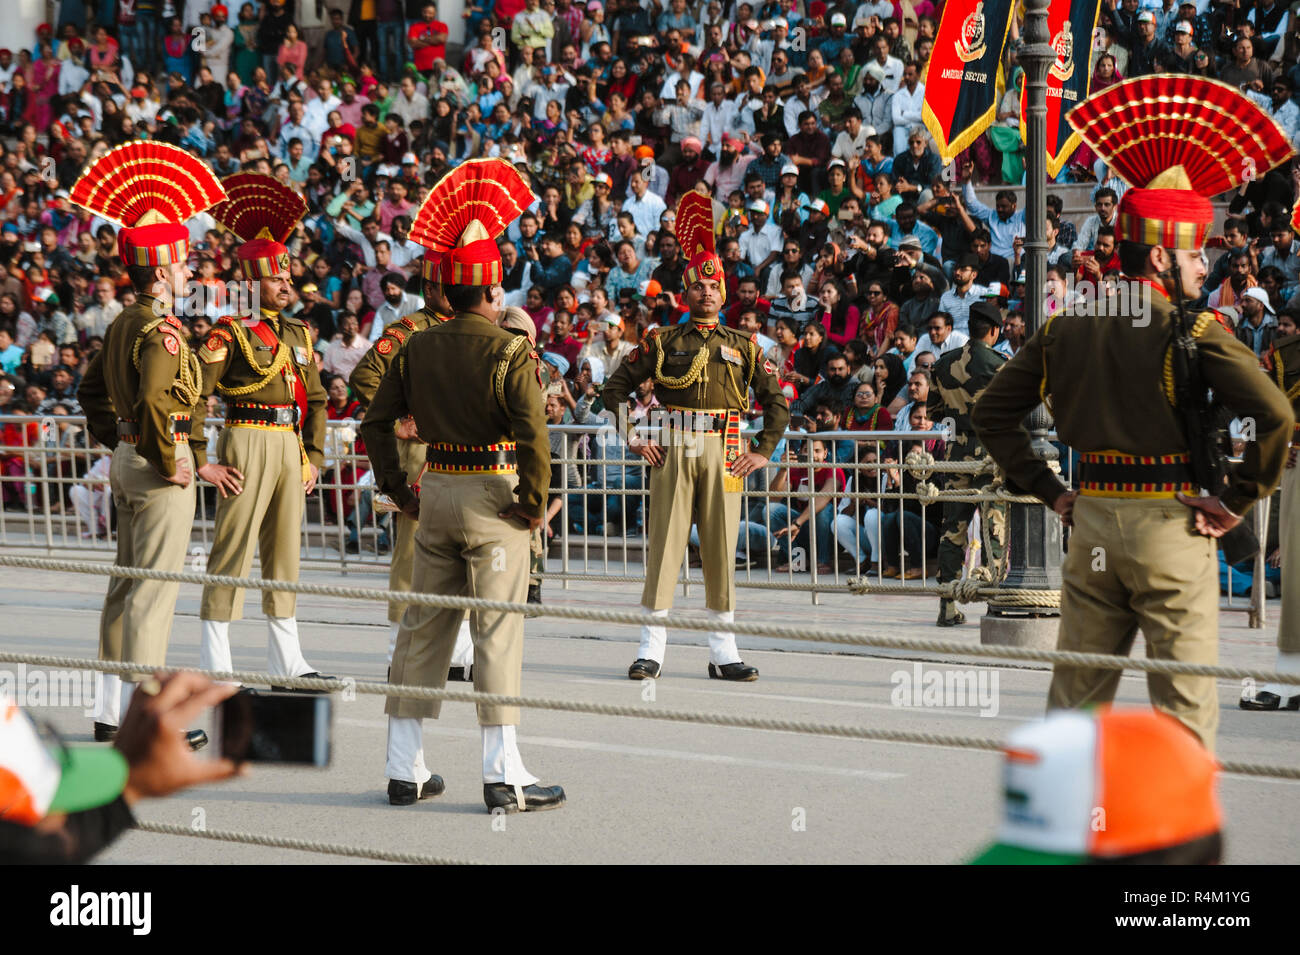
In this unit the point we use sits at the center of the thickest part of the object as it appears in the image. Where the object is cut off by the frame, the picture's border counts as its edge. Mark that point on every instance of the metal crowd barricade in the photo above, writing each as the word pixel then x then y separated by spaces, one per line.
pixel 54 481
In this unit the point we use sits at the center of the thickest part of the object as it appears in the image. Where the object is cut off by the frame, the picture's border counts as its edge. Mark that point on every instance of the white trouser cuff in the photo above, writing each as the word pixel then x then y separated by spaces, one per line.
pixel 127 691
pixel 283 651
pixel 1286 663
pixel 214 646
pixel 406 750
pixel 392 640
pixel 462 655
pixel 501 760
pixel 654 639
pixel 108 705
pixel 722 643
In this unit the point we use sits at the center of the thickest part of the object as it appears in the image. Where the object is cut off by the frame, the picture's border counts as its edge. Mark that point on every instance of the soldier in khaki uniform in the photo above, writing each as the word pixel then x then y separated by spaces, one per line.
pixel 141 398
pixel 958 378
pixel 482 493
pixel 410 451
pixel 261 364
pixel 703 372
pixel 1283 366
pixel 1142 551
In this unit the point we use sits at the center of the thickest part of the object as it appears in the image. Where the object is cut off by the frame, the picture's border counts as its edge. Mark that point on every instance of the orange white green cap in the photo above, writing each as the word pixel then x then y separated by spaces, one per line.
pixel 1083 787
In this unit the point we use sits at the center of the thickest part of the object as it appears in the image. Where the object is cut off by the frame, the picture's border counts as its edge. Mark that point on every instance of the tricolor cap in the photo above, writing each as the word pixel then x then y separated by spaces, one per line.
pixel 837 20
pixel 1210 139
pixel 602 179
pixel 1102 786
pixel 1146 16
pixel 263 212
pixel 758 205
pixel 151 189
pixel 789 169
pixel 35 781
pixel 818 205
pixel 464 214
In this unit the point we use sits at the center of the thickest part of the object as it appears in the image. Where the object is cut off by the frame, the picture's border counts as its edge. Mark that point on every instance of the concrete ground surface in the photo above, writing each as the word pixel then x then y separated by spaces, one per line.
pixel 644 790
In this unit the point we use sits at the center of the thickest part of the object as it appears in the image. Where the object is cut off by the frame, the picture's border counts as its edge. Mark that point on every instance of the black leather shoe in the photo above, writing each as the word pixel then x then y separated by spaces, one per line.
pixel 534 593
pixel 461 674
pixel 1263 700
pixel 643 670
pixel 402 793
pixel 105 732
pixel 536 798
pixel 733 671
pixel 197 739
pixel 949 615
pixel 313 675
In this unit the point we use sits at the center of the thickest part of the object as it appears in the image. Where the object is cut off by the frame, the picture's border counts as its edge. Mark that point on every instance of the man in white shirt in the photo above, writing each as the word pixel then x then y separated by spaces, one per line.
pixel 905 108
pixel 759 244
pixel 717 119
pixel 409 103
pixel 316 113
pixel 1107 206
pixel 97 317
pixel 347 348
pixel 296 129
pixel 643 205
pixel 396 304
pixel 365 237
pixel 940 337
pixel 880 8
pixel 406 254
pixel 220 38
pixel 802 99
pixel 892 65
pixel 550 88
pixel 852 139
pixel 607 344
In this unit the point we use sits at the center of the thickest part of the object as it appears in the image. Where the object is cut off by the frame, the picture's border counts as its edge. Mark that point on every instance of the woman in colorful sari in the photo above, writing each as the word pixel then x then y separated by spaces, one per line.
pixel 44 86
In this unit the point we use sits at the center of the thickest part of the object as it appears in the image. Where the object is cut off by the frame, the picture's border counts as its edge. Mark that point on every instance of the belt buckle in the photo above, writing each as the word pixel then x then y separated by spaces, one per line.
pixel 283 416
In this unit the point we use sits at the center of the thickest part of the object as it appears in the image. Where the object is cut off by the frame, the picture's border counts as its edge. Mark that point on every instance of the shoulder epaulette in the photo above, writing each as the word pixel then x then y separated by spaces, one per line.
pixel 405 321
pixel 1207 318
pixel 226 320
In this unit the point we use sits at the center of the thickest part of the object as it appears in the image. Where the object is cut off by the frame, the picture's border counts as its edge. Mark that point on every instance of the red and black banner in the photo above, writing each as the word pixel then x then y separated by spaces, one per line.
pixel 1072 24
pixel 964 79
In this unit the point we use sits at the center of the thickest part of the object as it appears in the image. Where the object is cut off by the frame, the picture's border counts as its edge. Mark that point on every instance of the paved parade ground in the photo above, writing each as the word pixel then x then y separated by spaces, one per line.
pixel 643 790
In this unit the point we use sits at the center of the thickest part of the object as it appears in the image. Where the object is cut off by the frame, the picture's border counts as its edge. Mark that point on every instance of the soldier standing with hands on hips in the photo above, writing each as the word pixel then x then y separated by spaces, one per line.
pixel 1142 549
pixel 411 451
pixel 141 395
pixel 261 364
pixel 703 373
pixel 483 491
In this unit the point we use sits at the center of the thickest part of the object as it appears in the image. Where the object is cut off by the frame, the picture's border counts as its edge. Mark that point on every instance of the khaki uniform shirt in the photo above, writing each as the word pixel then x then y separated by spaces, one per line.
pixel 468 382
pixel 374 363
pixel 146 372
pixel 1107 379
pixel 706 370
pixel 235 366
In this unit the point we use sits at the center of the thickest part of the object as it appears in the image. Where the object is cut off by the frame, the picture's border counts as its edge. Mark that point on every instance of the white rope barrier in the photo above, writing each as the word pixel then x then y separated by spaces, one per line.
pixel 673 620
pixel 302 845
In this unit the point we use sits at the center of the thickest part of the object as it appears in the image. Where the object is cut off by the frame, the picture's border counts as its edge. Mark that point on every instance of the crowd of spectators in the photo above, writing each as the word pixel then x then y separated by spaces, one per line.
pixel 851 251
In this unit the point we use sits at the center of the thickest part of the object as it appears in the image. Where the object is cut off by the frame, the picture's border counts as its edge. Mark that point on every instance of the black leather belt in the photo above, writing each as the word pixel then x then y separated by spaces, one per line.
pixel 492 459
pixel 692 420
pixel 284 415
pixel 177 424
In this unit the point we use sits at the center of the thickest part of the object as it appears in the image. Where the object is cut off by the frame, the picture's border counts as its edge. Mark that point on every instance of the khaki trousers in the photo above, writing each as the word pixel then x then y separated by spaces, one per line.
pixel 689 488
pixel 411 454
pixel 1136 563
pixel 154 518
pixel 463 549
pixel 265 516
pixel 1288 628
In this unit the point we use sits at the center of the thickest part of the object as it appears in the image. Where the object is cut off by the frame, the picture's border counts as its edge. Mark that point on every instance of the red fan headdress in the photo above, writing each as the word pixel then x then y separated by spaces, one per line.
pixel 262 211
pixel 1179 140
pixel 150 189
pixel 694 228
pixel 462 217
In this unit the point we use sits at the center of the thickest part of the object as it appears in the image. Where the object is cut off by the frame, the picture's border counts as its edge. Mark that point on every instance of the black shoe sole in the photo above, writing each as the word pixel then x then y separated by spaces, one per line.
pixel 643 675
pixel 412 799
pixel 717 675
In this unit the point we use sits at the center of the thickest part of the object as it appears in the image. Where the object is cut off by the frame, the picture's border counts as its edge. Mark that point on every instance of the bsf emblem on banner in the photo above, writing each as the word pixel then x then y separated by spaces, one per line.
pixel 970 45
pixel 1063 43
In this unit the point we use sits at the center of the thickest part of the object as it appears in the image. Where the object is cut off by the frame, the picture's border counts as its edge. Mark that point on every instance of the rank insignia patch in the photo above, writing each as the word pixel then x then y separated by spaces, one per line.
pixel 384 346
